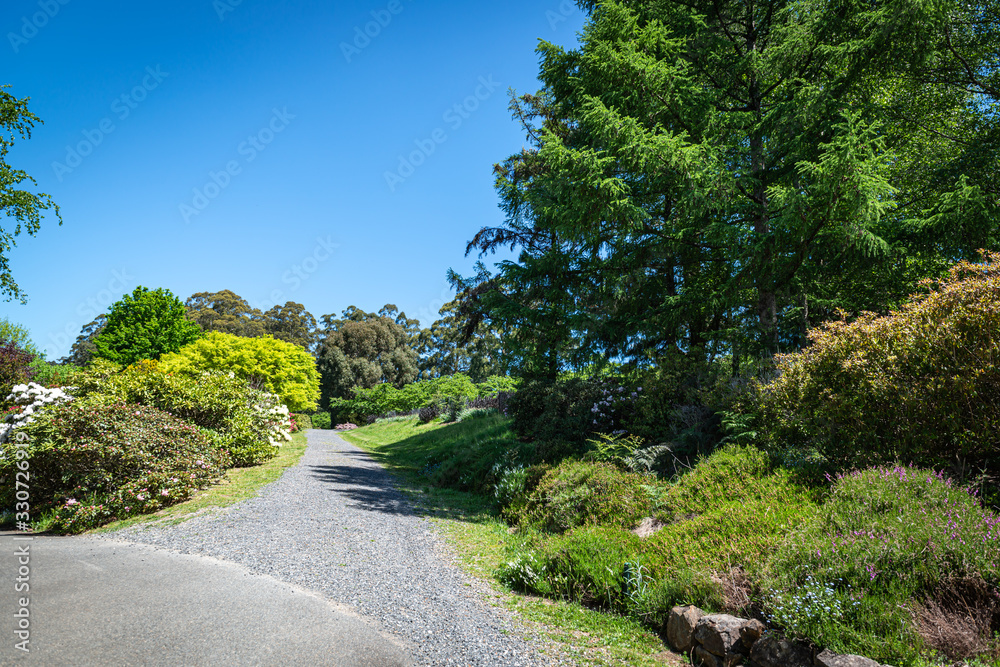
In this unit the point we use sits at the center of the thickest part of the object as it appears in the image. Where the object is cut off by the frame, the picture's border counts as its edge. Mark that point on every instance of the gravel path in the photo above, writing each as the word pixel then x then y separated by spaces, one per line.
pixel 336 524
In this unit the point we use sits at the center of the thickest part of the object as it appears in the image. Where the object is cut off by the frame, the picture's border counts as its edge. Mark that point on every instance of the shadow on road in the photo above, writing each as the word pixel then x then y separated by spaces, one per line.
pixel 370 489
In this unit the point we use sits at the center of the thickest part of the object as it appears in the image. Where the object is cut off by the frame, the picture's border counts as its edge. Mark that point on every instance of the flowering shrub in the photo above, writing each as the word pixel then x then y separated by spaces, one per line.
pixel 28 400
pixel 346 427
pixel 921 386
pixel 93 462
pixel 886 539
pixel 245 422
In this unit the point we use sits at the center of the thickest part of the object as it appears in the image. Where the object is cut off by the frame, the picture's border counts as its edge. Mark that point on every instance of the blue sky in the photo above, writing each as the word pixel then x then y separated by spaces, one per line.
pixel 270 148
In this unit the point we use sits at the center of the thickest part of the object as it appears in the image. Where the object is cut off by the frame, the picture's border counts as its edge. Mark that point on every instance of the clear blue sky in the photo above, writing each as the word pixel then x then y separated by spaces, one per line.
pixel 201 146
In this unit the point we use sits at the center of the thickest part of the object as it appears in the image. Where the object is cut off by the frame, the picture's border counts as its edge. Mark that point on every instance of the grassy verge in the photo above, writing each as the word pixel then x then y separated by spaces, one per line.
pixel 425 455
pixel 238 484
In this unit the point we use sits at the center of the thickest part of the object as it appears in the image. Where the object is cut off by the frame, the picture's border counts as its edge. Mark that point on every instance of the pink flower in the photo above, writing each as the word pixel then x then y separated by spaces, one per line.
pixel 164 492
pixel 71 501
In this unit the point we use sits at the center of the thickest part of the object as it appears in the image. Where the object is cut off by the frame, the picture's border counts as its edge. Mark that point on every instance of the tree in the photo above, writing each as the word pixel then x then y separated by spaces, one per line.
pixel 145 325
pixel 450 346
pixel 716 177
pixel 282 368
pixel 227 312
pixel 291 323
pixel 18 334
pixel 85 347
pixel 360 350
pixel 22 207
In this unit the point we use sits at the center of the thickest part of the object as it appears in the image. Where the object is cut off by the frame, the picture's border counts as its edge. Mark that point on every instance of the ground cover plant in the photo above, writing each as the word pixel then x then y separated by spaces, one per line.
pixel 738 532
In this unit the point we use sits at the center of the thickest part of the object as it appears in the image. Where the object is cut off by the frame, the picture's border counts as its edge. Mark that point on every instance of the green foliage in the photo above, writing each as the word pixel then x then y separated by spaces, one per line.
pixel 322 420
pixel 886 540
pixel 85 346
pixel 92 462
pixel 53 375
pixel 577 493
pixel 233 412
pixel 15 366
pixel 273 365
pixel 225 311
pixel 21 208
pixel 921 385
pixel 12 332
pixel 475 413
pixel 448 393
pixel 145 325
pixel 302 422
pixel 291 323
pixel 361 350
pixel 453 344
pixel 544 410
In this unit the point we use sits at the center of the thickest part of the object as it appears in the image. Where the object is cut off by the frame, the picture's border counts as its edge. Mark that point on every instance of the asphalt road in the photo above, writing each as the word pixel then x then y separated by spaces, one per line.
pixel 95 602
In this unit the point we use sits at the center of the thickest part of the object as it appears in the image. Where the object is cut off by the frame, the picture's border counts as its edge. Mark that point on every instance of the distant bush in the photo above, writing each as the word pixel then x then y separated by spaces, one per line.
pixel 426 415
pixel 321 420
pixel 302 422
pixel 268 364
pixel 475 413
pixel 919 386
pixel 92 463
pixel 54 375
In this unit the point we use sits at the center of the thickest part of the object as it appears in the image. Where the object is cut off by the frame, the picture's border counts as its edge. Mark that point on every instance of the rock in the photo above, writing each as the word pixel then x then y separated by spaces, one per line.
pixel 769 651
pixel 681 625
pixel 718 633
pixel 751 632
pixel 703 658
pixel 830 659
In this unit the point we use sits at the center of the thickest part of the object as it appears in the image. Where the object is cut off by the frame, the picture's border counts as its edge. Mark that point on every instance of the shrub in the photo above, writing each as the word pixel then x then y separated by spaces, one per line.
pixel 429 413
pixel 302 422
pixel 269 364
pixel 15 365
pixel 321 420
pixel 346 427
pixel 54 375
pixel 475 413
pixel 576 493
pixel 247 423
pixel 919 386
pixel 27 401
pixel 555 411
pixel 885 542
pixel 92 463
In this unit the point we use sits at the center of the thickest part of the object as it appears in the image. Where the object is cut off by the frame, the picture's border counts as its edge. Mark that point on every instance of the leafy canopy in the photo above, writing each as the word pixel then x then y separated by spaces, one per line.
pixel 145 325
pixel 273 365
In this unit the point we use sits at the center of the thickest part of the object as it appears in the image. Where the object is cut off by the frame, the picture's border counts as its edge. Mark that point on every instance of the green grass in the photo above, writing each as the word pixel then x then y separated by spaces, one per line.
pixel 425 455
pixel 238 484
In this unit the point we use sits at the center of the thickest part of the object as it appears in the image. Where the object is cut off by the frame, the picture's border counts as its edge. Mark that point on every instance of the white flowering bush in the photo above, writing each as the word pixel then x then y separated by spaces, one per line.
pixel 279 421
pixel 28 400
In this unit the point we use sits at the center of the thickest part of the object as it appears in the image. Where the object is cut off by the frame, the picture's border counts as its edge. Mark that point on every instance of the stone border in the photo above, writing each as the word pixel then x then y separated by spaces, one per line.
pixel 721 640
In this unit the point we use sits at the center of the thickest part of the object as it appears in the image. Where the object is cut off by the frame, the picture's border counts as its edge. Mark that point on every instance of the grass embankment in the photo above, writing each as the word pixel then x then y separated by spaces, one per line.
pixel 237 484
pixel 892 563
pixel 428 457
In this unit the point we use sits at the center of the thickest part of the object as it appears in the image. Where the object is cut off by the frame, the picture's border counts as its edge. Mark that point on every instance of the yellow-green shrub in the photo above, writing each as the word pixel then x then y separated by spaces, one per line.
pixel 921 385
pixel 272 365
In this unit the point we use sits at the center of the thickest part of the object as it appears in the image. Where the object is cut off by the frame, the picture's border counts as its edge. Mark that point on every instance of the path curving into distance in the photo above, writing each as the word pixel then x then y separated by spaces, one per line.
pixel 329 565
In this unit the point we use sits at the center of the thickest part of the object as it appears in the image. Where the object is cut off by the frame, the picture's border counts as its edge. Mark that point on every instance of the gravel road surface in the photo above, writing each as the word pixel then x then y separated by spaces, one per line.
pixel 336 525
